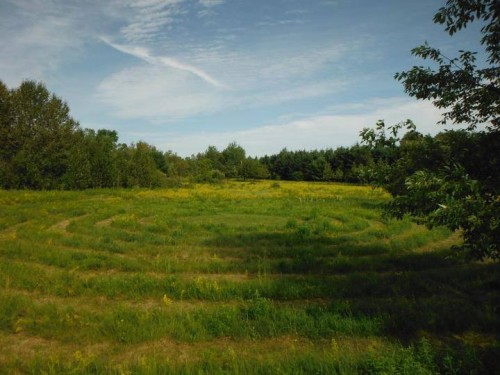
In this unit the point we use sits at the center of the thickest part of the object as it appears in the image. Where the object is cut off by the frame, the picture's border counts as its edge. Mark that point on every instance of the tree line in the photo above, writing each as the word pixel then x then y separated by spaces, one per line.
pixel 43 147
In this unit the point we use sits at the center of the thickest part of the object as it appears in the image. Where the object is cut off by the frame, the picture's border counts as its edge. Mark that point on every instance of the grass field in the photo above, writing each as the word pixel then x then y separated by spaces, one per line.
pixel 236 278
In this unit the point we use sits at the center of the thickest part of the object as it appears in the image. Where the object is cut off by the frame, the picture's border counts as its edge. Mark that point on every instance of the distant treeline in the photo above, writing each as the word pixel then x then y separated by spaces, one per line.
pixel 42 147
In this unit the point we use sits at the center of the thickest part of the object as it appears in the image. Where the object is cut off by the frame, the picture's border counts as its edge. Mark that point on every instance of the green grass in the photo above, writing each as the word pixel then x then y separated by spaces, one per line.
pixel 236 278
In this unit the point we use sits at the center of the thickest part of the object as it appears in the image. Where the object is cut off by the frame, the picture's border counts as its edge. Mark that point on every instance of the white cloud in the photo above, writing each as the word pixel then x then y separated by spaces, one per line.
pixel 271 96
pixel 36 38
pixel 208 7
pixel 163 95
pixel 257 79
pixel 270 65
pixel 211 3
pixel 149 17
pixel 314 132
pixel 157 94
pixel 144 54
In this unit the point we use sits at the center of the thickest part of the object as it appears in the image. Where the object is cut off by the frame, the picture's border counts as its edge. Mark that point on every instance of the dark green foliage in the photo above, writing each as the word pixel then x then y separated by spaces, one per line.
pixel 7 143
pixel 342 164
pixel 213 166
pixel 253 169
pixel 451 180
pixel 448 180
pixel 451 198
pixel 202 170
pixel 42 147
pixel 37 137
pixel 233 156
pixel 471 95
pixel 93 160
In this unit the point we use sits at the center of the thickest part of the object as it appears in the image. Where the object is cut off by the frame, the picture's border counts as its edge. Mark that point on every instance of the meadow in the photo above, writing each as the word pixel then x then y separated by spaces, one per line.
pixel 241 277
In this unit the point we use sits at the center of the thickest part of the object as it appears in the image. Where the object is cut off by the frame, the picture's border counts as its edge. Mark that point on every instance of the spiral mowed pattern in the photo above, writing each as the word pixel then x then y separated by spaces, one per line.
pixel 243 276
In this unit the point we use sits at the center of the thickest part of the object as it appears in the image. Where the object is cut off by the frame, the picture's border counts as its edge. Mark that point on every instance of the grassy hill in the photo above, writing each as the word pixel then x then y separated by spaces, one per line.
pixel 236 278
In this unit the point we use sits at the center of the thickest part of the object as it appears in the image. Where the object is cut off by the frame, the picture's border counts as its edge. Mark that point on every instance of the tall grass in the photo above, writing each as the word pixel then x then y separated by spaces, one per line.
pixel 236 278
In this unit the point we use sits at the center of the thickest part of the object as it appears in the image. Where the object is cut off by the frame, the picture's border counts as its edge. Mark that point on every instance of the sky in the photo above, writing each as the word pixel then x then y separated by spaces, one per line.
pixel 268 74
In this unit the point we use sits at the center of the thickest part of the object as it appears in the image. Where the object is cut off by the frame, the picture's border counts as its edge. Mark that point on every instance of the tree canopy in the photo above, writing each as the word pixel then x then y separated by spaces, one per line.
pixel 469 94
pixel 452 179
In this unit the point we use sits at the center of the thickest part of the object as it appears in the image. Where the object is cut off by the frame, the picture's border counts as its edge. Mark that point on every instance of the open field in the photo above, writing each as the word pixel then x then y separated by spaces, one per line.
pixel 236 278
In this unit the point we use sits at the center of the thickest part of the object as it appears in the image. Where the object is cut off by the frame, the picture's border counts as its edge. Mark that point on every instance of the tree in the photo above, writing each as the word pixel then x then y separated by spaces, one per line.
pixel 101 148
pixel 446 180
pixel 252 168
pixel 215 157
pixel 328 173
pixel 41 136
pixel 79 172
pixel 316 166
pixel 233 156
pixel 202 170
pixel 471 95
pixel 451 180
pixel 7 142
pixel 176 166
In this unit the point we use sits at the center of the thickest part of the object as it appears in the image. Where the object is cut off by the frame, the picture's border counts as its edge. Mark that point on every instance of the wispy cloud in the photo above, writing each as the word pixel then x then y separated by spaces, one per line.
pixel 274 68
pixel 34 36
pixel 208 7
pixel 157 94
pixel 164 95
pixel 150 16
pixel 211 3
pixel 310 132
pixel 258 80
pixel 145 55
pixel 189 77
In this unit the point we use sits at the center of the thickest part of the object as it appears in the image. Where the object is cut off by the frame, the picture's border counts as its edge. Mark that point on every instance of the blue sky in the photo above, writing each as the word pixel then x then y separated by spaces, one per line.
pixel 185 74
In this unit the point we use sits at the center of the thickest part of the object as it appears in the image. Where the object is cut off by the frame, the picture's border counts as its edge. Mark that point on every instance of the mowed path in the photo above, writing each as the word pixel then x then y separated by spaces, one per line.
pixel 242 276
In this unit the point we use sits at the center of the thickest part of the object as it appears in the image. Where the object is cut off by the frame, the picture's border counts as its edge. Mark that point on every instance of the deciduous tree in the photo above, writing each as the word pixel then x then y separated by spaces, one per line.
pixel 451 180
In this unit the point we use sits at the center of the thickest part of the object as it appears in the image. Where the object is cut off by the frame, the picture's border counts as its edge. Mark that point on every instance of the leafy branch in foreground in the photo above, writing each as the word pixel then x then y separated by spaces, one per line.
pixel 454 200
pixel 469 94
pixel 446 180
pixel 451 179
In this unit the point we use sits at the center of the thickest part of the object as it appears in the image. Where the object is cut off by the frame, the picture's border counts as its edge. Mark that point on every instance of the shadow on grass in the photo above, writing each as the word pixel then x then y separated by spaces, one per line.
pixel 430 294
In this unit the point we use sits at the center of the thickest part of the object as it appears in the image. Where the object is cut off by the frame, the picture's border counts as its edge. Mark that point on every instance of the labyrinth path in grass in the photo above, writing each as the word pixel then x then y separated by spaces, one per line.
pixel 242 277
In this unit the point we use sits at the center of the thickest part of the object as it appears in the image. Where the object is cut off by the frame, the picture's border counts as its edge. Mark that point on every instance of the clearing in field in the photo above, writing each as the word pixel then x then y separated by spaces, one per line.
pixel 240 277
